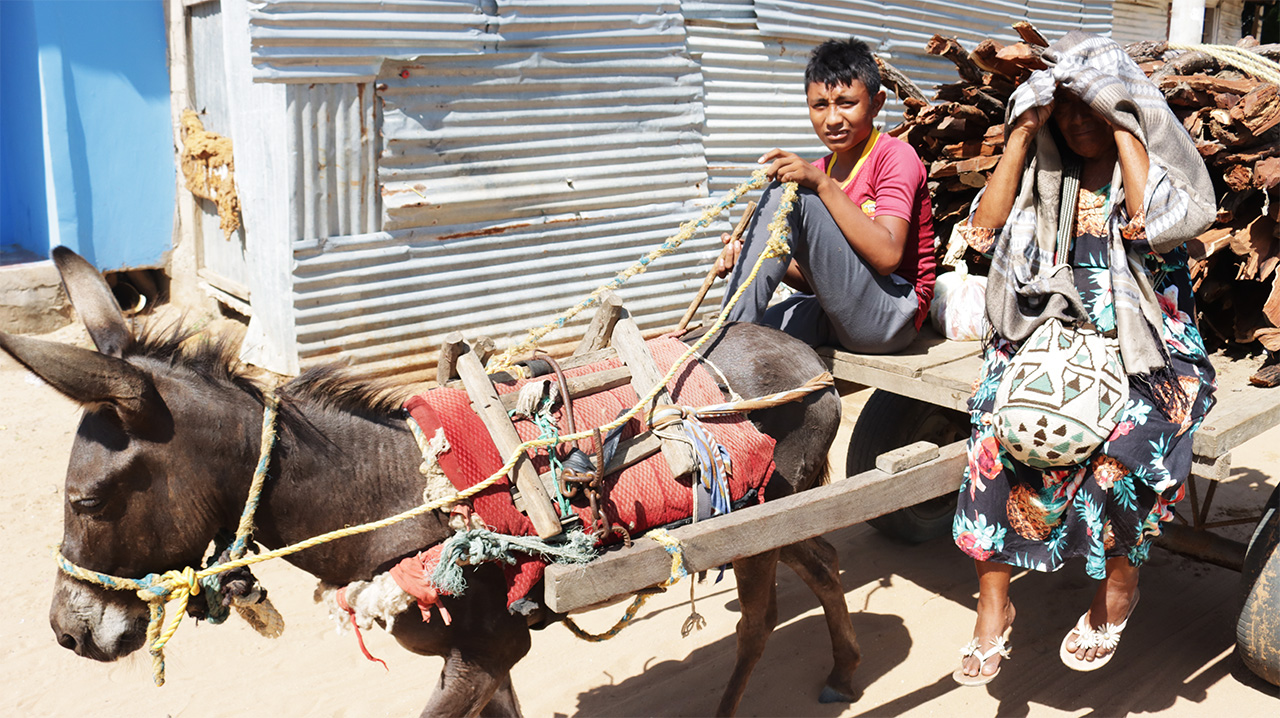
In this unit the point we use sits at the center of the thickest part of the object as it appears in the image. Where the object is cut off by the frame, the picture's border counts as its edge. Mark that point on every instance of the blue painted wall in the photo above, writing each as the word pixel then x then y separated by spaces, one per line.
pixel 23 218
pixel 108 165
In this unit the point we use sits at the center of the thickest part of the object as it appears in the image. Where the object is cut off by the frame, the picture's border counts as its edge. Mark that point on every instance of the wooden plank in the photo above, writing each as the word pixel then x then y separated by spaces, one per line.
pixel 601 326
pixel 906 457
pixel 451 348
pixel 755 529
pixel 896 383
pixel 929 349
pixel 629 343
pixel 1243 411
pixel 487 405
pixel 580 386
pixel 567 363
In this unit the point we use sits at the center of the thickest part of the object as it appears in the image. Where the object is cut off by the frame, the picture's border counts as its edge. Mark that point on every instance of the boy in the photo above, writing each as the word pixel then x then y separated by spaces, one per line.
pixel 861 227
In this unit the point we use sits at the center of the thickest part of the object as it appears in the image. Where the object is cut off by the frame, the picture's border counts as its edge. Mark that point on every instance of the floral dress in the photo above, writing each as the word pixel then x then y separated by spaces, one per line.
pixel 1113 503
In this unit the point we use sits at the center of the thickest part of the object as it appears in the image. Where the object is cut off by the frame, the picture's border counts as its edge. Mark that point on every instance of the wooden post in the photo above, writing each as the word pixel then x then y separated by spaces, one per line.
pixel 484 347
pixel 629 343
pixel 711 273
pixel 488 406
pixel 601 327
pixel 451 348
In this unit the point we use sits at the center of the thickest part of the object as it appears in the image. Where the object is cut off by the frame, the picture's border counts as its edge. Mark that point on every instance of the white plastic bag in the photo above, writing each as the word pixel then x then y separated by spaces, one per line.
pixel 959 309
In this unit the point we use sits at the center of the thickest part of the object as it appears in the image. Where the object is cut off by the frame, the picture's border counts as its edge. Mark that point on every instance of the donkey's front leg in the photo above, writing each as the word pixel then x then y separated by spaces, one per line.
pixel 758 605
pixel 468 687
pixel 503 704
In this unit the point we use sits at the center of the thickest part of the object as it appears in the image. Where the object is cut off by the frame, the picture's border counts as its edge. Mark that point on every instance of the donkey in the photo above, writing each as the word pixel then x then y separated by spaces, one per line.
pixel 170 435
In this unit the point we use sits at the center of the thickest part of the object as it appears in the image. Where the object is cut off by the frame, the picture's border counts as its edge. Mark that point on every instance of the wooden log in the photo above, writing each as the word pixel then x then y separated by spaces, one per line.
pixel 601 326
pixel 451 348
pixel 950 48
pixel 1146 50
pixel 986 56
pixel 990 106
pixel 753 530
pixel 901 85
pixel 1186 63
pixel 1029 34
pixel 1259 110
pixel 488 406
pixel 1239 178
pixel 1023 56
pixel 1209 242
pixel 1266 174
pixel 630 346
pixel 1209 83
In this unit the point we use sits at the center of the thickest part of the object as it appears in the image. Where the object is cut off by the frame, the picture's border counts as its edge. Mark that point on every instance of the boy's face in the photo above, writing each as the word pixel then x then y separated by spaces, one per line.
pixel 842 115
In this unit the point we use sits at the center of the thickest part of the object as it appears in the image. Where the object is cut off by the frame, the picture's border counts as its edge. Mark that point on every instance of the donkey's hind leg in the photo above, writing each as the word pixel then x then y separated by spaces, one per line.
pixel 817 563
pixel 758 604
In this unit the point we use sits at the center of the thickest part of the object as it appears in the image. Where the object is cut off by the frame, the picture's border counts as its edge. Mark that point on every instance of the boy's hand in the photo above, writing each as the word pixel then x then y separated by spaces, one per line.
pixel 729 255
pixel 790 167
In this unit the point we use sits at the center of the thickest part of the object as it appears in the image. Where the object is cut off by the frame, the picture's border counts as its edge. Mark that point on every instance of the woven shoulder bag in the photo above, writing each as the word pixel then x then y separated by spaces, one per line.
pixel 1062 393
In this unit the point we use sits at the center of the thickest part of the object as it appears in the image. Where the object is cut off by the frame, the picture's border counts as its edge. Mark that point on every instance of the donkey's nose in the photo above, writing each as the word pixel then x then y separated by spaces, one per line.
pixel 67 641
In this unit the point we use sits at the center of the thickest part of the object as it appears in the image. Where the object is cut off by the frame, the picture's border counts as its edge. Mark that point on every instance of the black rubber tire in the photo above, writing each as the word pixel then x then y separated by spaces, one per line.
pixel 889 421
pixel 1258 627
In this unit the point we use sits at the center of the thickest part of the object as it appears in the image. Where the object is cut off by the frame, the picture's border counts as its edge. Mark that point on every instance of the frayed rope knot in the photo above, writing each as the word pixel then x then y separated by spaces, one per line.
pixel 476 546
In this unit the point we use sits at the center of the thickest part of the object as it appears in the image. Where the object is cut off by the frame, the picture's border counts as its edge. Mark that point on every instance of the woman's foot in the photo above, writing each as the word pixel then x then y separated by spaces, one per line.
pixel 995 619
pixel 1112 605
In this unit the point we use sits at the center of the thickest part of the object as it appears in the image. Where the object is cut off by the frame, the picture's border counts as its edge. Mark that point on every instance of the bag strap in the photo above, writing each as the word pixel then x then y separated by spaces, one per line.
pixel 1067 209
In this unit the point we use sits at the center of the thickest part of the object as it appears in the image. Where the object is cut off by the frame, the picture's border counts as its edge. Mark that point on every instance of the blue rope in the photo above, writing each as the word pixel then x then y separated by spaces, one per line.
pixel 476 546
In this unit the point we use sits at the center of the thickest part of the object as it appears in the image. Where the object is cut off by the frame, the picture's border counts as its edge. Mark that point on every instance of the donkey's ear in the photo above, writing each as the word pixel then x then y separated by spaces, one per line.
pixel 94 302
pixel 90 378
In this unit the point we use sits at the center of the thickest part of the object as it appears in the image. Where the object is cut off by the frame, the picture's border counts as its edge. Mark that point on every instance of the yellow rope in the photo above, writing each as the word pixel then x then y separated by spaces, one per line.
pixel 673 547
pixel 1251 62
pixel 504 360
pixel 179 586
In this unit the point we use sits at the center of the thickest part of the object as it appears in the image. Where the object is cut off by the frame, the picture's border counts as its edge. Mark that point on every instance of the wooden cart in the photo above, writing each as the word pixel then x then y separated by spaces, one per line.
pixel 905 460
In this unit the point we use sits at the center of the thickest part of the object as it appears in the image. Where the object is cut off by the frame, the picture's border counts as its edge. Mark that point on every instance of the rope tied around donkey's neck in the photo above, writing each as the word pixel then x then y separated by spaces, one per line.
pixel 179 585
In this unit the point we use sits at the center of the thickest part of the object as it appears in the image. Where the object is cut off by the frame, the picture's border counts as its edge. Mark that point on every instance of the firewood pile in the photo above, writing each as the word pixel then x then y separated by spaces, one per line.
pixel 1234 118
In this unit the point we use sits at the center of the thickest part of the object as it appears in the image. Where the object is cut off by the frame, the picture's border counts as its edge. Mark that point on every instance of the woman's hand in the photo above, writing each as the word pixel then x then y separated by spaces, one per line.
pixel 789 167
pixel 1032 120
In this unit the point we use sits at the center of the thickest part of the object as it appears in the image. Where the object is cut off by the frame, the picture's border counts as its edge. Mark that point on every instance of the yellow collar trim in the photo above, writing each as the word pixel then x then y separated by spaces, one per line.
pixel 862 158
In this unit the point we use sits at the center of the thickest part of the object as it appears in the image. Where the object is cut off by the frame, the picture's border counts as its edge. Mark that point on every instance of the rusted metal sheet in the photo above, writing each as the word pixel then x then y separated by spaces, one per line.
pixel 347 40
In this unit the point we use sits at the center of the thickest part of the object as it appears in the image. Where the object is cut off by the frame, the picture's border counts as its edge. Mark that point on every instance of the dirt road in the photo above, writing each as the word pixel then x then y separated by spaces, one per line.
pixel 912 607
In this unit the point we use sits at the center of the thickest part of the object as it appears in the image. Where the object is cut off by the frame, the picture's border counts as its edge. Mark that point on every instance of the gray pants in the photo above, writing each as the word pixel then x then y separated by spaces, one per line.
pixel 854 306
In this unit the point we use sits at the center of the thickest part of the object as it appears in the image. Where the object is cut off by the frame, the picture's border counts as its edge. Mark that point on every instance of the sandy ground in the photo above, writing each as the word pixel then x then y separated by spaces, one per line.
pixel 911 605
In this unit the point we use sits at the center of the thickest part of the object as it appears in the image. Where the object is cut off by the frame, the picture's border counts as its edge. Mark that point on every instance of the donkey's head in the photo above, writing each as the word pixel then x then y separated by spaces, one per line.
pixel 168 436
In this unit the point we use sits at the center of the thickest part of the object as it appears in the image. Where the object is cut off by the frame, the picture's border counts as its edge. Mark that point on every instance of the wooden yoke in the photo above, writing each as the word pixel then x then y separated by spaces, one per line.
pixel 488 406
pixel 629 343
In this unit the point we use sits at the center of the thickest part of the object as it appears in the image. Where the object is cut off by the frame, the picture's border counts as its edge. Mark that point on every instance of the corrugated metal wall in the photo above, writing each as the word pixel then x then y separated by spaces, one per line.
pixel 1137 20
pixel 347 40
pixel 514 182
pixel 515 154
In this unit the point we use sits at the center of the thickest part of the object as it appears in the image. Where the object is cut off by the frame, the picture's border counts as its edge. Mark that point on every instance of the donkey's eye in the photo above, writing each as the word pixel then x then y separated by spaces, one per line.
pixel 88 505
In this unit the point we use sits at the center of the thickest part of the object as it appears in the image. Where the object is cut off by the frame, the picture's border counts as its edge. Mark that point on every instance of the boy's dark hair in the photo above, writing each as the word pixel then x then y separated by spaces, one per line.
pixel 840 62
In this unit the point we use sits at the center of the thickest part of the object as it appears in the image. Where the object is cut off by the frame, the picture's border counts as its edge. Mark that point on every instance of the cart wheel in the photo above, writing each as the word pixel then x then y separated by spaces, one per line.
pixel 889 421
pixel 1258 628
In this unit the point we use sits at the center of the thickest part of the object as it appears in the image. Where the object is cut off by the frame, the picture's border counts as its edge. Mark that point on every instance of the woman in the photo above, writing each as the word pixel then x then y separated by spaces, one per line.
pixel 1143 191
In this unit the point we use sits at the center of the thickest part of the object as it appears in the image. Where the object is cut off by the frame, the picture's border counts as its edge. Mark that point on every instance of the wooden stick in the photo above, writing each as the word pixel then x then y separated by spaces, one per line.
pixel 711 274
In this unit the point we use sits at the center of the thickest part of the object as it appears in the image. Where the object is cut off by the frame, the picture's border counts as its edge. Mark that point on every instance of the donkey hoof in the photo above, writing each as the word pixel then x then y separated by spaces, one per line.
pixel 831 695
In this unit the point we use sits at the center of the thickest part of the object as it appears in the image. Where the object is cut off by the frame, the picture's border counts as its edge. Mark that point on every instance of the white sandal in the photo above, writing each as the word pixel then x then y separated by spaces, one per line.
pixel 1106 637
pixel 1001 647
